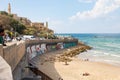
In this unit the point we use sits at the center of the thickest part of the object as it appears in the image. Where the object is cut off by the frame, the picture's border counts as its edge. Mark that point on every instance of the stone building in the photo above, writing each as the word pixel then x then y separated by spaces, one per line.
pixel 39 25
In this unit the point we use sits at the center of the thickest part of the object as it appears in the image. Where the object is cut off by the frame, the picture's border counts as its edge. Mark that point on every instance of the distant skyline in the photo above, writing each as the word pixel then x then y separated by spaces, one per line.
pixel 70 16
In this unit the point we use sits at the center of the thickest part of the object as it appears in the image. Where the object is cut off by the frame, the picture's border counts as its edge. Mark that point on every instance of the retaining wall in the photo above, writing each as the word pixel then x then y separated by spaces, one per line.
pixel 13 53
pixel 16 54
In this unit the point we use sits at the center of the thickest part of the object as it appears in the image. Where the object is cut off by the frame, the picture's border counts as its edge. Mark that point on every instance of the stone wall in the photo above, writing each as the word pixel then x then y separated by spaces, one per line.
pixel 50 41
pixel 36 47
pixel 13 53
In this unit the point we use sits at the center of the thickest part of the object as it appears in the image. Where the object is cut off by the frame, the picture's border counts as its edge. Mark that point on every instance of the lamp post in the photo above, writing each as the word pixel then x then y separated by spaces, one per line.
pixel 15 31
pixel 47 35
pixel 11 32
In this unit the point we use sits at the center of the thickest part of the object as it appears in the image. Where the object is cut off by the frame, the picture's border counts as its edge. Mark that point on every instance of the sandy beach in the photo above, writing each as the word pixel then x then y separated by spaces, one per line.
pixel 77 69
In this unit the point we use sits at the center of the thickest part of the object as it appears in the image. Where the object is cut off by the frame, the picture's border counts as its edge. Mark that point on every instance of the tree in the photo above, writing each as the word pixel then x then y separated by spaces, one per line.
pixel 18 27
pixel 5 21
pixel 3 13
pixel 30 31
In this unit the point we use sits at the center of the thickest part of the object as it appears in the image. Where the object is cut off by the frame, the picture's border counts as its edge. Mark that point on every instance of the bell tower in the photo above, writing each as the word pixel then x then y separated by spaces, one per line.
pixel 46 24
pixel 9 8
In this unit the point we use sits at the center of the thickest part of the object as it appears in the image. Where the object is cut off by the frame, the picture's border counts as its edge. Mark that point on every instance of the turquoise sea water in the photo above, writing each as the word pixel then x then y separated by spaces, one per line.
pixel 106 47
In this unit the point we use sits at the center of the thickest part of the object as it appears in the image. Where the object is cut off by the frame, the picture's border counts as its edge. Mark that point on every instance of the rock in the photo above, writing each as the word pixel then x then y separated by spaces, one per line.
pixel 86 74
pixel 41 63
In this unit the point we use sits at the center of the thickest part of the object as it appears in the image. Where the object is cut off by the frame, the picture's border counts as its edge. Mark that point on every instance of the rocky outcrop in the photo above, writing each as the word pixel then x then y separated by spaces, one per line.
pixel 71 52
pixel 67 54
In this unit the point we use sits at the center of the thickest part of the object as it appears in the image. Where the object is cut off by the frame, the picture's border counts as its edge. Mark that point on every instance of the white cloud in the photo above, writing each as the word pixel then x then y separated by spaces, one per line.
pixel 102 7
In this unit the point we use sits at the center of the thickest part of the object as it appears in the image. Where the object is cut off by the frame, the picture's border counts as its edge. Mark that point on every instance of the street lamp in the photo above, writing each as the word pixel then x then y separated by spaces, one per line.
pixel 15 30
pixel 47 35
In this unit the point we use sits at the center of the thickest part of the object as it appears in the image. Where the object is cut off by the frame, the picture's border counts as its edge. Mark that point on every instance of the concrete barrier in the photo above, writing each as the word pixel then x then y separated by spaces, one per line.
pixel 13 54
pixel 1 50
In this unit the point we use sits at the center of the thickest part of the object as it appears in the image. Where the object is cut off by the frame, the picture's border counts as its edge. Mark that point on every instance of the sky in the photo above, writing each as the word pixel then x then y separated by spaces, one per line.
pixel 70 16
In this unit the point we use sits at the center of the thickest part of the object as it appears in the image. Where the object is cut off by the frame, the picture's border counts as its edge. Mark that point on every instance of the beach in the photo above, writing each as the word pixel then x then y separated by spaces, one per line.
pixel 77 69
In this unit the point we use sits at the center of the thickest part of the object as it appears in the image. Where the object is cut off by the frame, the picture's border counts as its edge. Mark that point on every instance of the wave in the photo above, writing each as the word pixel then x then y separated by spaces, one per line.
pixel 102 53
pixel 114 45
pixel 115 55
pixel 113 62
pixel 97 55
pixel 97 52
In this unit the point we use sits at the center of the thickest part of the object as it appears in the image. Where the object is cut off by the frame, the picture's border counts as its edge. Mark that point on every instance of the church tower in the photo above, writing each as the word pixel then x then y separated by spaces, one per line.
pixel 47 24
pixel 9 8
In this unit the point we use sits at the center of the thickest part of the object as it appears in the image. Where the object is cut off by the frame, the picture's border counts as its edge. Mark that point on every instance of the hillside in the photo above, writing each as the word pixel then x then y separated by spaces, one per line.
pixel 22 26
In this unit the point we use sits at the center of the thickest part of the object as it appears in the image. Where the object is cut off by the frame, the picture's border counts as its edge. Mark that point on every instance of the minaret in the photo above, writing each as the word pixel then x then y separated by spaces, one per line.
pixel 9 8
pixel 47 24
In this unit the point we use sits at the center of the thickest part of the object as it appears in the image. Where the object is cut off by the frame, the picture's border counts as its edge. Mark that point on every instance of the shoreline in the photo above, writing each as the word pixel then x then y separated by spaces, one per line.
pixel 75 68
pixel 105 59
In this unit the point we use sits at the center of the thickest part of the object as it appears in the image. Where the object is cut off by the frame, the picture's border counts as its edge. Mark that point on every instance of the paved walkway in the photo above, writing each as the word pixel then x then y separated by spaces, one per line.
pixel 13 42
pixel 5 70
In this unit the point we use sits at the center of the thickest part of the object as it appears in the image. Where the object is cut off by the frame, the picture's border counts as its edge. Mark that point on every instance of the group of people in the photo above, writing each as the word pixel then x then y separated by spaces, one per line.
pixel 1 36
pixel 5 38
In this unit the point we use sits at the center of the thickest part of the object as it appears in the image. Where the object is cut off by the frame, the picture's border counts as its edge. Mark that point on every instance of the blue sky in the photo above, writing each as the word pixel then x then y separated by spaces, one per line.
pixel 70 16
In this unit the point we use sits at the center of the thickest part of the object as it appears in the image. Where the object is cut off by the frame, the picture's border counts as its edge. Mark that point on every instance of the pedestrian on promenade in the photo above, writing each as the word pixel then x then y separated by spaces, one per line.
pixel 1 36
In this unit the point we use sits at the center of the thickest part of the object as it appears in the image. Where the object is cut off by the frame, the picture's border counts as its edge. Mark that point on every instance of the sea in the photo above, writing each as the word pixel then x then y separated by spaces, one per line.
pixel 105 47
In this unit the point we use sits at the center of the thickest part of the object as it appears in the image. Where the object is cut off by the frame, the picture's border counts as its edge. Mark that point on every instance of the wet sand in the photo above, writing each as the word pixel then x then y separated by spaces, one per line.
pixel 77 69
